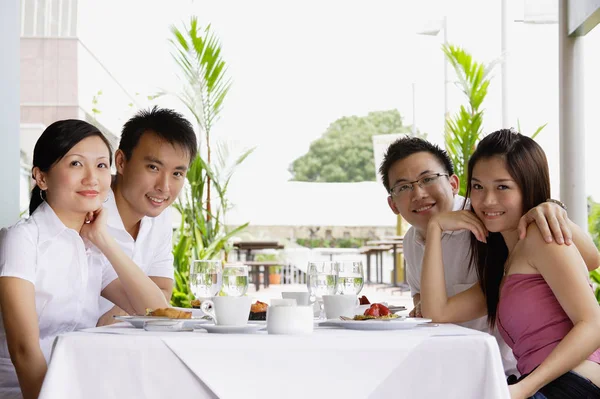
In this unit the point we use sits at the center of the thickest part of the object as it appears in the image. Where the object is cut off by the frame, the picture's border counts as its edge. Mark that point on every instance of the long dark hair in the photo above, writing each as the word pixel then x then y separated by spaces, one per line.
pixel 527 165
pixel 54 143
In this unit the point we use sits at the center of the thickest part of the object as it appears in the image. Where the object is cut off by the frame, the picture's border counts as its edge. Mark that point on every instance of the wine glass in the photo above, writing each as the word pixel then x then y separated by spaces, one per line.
pixel 321 280
pixel 206 278
pixel 235 279
pixel 350 278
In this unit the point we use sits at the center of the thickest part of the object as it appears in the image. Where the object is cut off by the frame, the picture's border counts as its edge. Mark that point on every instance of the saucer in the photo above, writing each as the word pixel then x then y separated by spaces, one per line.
pixel 248 328
pixel 138 321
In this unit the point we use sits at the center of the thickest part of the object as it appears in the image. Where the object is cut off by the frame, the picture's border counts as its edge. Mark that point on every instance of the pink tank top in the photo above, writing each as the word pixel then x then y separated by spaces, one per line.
pixel 531 320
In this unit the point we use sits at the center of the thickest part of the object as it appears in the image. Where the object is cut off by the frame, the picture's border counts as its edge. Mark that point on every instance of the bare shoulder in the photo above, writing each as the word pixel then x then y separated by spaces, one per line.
pixel 533 239
pixel 542 254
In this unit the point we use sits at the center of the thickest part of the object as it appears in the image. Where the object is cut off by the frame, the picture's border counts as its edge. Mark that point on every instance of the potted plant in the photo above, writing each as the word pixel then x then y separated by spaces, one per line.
pixel 274 274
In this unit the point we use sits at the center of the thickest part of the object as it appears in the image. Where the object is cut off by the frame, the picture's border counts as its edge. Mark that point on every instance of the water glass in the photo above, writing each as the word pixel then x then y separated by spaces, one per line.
pixel 235 279
pixel 321 278
pixel 206 278
pixel 350 278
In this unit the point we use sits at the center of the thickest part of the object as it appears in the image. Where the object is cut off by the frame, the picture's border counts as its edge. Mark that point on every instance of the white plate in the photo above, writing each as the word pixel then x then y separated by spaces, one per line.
pixel 316 322
pixel 392 324
pixel 173 325
pixel 138 321
pixel 248 328
pixel 261 322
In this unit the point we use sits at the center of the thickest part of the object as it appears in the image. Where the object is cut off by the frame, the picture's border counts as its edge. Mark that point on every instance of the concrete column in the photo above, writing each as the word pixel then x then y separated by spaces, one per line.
pixel 504 27
pixel 571 120
pixel 9 112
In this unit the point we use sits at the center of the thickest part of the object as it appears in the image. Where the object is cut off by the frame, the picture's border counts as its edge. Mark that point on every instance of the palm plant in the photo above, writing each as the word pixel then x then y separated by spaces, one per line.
pixel 464 129
pixel 202 233
pixel 197 52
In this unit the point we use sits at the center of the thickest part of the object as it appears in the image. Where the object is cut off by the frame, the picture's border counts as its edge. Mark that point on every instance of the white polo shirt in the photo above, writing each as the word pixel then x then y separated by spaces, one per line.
pixel 459 277
pixel 152 251
pixel 67 274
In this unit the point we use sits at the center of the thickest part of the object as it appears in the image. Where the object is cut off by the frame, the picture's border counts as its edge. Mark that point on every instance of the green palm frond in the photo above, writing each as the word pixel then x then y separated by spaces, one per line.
pixel 464 129
pixel 203 72
pixel 197 52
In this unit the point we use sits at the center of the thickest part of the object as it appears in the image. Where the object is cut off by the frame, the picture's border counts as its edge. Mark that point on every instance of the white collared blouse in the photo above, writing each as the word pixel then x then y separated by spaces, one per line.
pixel 67 274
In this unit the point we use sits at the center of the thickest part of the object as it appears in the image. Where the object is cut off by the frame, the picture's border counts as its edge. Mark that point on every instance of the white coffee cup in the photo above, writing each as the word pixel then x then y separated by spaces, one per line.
pixel 340 305
pixel 290 320
pixel 301 297
pixel 228 310
pixel 283 302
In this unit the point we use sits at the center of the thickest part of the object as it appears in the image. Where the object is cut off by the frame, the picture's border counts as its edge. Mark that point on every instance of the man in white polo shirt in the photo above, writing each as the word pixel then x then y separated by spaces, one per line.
pixel 419 176
pixel 154 154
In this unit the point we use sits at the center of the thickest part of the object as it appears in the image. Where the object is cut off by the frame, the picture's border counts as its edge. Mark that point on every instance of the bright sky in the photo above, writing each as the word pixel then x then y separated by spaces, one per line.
pixel 297 67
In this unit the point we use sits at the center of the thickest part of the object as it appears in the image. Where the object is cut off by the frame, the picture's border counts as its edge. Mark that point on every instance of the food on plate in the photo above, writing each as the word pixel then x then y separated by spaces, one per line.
pixel 196 303
pixel 377 311
pixel 258 311
pixel 171 313
pixel 364 301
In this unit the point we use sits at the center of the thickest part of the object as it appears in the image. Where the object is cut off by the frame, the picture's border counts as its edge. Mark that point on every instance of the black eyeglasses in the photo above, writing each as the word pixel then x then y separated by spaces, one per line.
pixel 407 187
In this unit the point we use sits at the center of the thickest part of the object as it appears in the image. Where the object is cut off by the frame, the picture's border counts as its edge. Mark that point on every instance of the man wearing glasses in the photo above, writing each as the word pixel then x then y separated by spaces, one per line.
pixel 419 177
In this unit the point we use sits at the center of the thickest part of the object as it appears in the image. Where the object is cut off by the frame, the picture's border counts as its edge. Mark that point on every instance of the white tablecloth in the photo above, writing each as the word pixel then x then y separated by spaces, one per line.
pixel 424 362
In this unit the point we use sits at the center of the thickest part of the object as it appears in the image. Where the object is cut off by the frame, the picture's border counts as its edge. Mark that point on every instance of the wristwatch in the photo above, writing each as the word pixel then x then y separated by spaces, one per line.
pixel 557 202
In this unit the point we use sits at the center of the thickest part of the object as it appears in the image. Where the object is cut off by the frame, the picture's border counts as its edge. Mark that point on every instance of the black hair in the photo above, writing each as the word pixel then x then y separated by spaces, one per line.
pixel 407 146
pixel 527 164
pixel 54 143
pixel 167 124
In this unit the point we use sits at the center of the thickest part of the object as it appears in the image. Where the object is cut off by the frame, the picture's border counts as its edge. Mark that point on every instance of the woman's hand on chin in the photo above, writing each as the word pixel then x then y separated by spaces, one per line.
pixel 460 220
pixel 94 228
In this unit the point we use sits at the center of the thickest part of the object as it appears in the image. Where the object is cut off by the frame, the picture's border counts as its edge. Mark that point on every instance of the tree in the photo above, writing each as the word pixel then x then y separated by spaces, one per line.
pixel 344 153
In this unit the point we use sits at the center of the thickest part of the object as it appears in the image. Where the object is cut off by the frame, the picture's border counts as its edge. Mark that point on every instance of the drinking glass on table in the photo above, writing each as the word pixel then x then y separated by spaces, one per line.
pixel 206 278
pixel 235 279
pixel 350 277
pixel 321 279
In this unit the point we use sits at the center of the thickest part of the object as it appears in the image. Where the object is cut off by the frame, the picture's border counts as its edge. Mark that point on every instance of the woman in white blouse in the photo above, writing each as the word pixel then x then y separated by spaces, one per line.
pixel 50 274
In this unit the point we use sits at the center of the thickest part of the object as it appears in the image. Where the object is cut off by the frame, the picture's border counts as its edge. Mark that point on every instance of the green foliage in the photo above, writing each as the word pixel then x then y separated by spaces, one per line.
pixel 594 221
pixel 344 153
pixel 269 258
pixel 198 238
pixel 333 243
pixel 464 129
pixel 595 278
pixel 594 229
pixel 202 234
pixel 537 131
pixel 95 101
pixel 197 52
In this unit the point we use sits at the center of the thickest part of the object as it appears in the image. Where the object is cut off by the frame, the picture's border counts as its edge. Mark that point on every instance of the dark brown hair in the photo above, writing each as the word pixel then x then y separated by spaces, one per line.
pixel 53 145
pixel 167 124
pixel 407 146
pixel 527 164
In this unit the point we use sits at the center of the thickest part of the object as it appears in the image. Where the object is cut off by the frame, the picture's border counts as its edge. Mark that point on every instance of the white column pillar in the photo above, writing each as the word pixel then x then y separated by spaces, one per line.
pixel 506 122
pixel 9 112
pixel 571 121
pixel 414 106
pixel 446 102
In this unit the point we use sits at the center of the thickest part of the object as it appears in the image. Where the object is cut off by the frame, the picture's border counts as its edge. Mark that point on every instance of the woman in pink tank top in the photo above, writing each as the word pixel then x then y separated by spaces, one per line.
pixel 536 293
